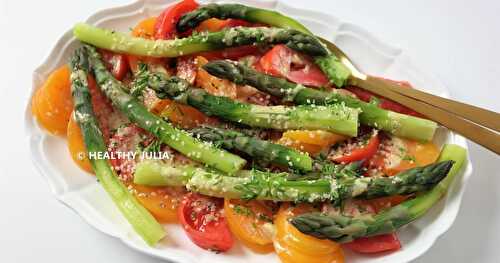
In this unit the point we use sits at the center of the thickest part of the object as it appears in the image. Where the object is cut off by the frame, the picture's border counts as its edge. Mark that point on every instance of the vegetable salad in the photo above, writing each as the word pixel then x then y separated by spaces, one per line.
pixel 239 124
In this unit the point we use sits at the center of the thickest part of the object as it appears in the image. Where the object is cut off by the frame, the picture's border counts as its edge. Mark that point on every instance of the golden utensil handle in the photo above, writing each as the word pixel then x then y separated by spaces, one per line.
pixel 478 115
pixel 465 126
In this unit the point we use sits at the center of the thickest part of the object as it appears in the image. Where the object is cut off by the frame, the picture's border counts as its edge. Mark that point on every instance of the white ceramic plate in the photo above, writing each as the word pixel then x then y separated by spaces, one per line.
pixel 80 191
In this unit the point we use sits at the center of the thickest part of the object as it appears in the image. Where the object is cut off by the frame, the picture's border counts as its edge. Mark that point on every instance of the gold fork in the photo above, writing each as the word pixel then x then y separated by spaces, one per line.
pixel 470 121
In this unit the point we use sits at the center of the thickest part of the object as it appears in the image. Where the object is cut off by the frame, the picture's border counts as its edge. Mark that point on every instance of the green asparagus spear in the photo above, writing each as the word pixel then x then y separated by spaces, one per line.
pixel 277 186
pixel 261 150
pixel 342 228
pixel 140 219
pixel 223 11
pixel 137 113
pixel 371 115
pixel 334 69
pixel 336 118
pixel 237 36
pixel 337 72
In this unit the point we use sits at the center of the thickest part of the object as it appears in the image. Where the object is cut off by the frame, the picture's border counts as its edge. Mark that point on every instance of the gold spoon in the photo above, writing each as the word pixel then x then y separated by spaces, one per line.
pixel 470 121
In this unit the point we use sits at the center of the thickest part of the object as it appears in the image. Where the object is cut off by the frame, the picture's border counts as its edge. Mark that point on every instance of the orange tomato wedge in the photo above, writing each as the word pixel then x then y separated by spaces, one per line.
pixel 215 24
pixel 211 25
pixel 213 85
pixel 76 146
pixel 184 116
pixel 295 247
pixel 318 137
pixel 144 29
pixel 161 202
pixel 312 149
pixel 52 103
pixel 251 223
pixel 311 142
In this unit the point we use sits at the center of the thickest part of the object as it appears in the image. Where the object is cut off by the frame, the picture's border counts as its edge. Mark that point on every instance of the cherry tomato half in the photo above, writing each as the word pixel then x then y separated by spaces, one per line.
pixel 203 220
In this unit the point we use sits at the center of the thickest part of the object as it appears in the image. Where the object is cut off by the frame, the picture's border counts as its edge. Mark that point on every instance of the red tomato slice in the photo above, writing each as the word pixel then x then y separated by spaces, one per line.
pixel 375 244
pixel 203 220
pixel 102 107
pixel 127 139
pixel 277 61
pixel 360 148
pixel 186 68
pixel 116 63
pixel 284 62
pixel 231 22
pixel 165 23
pixel 384 103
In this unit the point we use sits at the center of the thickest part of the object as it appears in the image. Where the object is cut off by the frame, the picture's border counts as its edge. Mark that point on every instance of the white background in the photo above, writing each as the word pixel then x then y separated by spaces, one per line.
pixel 458 40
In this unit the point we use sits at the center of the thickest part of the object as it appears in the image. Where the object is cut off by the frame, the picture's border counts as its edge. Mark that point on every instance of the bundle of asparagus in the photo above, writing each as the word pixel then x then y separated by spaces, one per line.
pixel 342 228
pixel 261 150
pixel 137 113
pixel 337 72
pixel 253 184
pixel 140 219
pixel 238 36
pixel 336 118
pixel 371 115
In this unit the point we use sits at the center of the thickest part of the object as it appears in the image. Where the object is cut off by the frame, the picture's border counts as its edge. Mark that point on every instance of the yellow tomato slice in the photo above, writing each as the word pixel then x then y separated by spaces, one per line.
pixel 251 223
pixel 161 202
pixel 295 247
pixel 145 28
pixel 319 137
pixel 415 154
pixel 52 104
pixel 297 240
pixel 76 146
pixel 290 255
